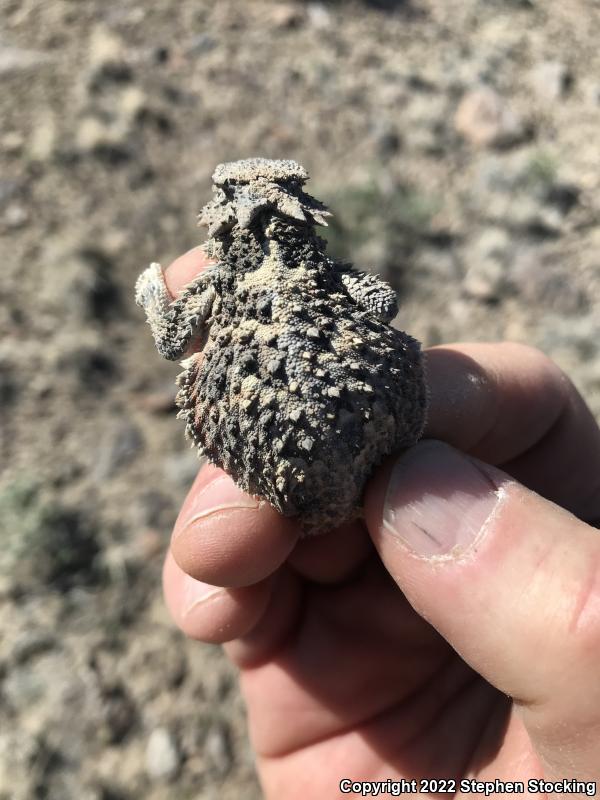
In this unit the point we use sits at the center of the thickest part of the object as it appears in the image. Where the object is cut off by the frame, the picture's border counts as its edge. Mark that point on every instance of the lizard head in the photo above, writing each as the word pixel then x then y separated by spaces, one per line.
pixel 244 190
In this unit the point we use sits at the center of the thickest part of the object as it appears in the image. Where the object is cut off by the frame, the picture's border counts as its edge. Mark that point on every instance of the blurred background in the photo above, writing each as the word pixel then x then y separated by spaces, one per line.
pixel 456 141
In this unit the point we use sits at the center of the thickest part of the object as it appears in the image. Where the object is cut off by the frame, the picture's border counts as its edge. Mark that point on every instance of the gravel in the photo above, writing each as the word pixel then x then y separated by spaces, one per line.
pixel 457 146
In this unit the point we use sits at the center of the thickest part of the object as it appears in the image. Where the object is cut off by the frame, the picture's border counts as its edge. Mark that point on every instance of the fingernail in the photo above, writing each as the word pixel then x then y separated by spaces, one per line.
pixel 438 501
pixel 196 593
pixel 221 494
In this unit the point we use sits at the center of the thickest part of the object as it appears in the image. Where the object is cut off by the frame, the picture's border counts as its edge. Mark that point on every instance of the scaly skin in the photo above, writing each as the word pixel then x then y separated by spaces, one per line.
pixel 301 387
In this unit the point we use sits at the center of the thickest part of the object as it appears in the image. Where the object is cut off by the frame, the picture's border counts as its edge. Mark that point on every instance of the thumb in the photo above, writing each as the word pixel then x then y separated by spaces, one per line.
pixel 509 579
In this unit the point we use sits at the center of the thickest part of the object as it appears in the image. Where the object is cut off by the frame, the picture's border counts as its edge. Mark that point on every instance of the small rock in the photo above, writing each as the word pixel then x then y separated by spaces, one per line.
pixel 286 15
pixel 592 92
pixel 487 260
pixel 12 142
pixel 107 55
pixel 15 216
pixel 132 102
pixel 484 281
pixel 42 142
pixel 217 749
pixel 201 44
pixel 162 755
pixel 535 219
pixel 95 135
pixel 319 16
pixel 484 119
pixel 16 59
pixel 550 80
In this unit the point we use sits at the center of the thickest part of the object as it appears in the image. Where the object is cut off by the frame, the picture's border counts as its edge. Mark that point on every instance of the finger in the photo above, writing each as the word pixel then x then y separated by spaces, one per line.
pixel 225 537
pixel 510 405
pixel 334 556
pixel 211 613
pixel 275 626
pixel 184 269
pixel 512 582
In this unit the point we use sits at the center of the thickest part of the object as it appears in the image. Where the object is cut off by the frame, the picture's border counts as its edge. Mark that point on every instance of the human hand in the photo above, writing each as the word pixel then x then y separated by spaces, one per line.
pixel 455 633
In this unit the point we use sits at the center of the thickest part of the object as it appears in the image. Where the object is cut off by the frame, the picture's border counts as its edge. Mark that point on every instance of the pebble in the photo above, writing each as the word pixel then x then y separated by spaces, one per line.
pixel 105 49
pixel 217 749
pixel 42 142
pixel 319 16
pixel 592 92
pixel 15 216
pixel 550 80
pixel 201 44
pixel 12 142
pixel 17 59
pixel 94 134
pixel 286 15
pixel 162 755
pixel 534 218
pixel 132 101
pixel 486 261
pixel 484 119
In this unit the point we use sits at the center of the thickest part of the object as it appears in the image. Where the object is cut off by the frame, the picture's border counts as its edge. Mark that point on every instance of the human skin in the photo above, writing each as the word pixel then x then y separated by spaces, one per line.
pixel 452 633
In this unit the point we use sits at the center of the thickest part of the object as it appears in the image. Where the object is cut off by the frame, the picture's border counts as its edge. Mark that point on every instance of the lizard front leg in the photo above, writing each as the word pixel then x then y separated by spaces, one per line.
pixel 174 323
pixel 370 292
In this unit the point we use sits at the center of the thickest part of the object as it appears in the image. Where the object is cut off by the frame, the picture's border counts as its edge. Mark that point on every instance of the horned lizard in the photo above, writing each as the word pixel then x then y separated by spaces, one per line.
pixel 296 385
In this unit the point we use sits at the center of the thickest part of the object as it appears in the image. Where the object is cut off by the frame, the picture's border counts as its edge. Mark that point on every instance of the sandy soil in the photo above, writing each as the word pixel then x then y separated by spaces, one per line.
pixel 457 145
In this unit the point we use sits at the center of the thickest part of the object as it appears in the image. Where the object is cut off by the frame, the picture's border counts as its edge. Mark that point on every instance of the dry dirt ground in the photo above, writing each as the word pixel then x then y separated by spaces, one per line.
pixel 457 143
